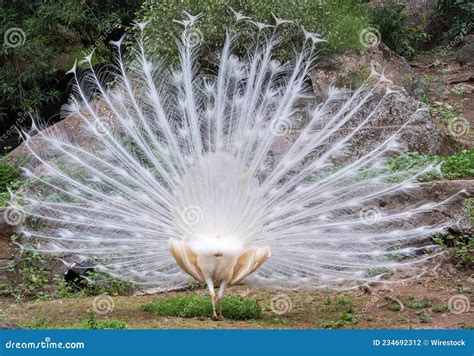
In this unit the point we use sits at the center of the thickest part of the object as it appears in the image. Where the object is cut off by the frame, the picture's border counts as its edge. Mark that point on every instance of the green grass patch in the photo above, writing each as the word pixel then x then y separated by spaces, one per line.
pixel 191 306
pixel 458 166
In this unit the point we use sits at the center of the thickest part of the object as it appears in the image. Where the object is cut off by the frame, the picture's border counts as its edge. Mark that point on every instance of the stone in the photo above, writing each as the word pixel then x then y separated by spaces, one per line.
pixel 466 52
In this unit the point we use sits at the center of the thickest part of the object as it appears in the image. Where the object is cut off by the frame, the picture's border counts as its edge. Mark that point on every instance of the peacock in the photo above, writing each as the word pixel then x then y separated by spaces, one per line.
pixel 226 175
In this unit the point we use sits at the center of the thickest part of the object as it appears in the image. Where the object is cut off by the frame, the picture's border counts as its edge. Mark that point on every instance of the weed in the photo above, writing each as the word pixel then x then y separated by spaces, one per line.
pixel 394 307
pixel 419 303
pixel 440 308
pixel 458 90
pixel 92 322
pixel 339 303
pixel 424 316
pixel 344 320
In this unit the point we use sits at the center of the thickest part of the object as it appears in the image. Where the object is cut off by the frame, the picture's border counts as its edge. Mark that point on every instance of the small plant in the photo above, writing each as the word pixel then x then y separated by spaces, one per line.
pixel 191 306
pixel 339 303
pixel 440 308
pixel 458 90
pixel 344 320
pixel 463 245
pixel 424 316
pixel 94 324
pixel 416 303
pixel 394 307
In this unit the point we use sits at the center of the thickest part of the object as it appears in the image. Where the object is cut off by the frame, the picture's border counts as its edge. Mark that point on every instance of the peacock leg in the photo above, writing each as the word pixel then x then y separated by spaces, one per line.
pixel 220 294
pixel 210 286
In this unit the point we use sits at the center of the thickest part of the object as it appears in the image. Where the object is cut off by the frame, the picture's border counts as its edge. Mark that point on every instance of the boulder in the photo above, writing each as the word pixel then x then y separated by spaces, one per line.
pixel 466 52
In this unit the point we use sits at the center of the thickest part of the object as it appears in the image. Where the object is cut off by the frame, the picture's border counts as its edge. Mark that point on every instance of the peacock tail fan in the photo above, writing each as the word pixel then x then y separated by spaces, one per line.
pixel 243 153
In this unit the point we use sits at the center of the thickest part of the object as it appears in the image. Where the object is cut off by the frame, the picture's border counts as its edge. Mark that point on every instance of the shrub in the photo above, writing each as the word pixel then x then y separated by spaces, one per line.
pixel 338 21
pixel 457 15
pixel 9 179
pixel 392 22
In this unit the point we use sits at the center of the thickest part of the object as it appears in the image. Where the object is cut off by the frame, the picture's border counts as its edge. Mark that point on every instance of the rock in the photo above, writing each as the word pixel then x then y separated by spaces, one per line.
pixel 348 68
pixel 421 135
pixel 466 52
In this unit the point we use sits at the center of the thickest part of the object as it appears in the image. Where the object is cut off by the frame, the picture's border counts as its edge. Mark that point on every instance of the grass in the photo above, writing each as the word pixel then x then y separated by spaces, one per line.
pixel 192 306
pixel 458 166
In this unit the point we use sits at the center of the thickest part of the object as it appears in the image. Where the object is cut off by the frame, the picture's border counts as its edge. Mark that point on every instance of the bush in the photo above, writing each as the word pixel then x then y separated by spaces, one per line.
pixel 9 179
pixel 50 35
pixel 339 22
pixel 190 306
pixel 392 22
pixel 457 15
